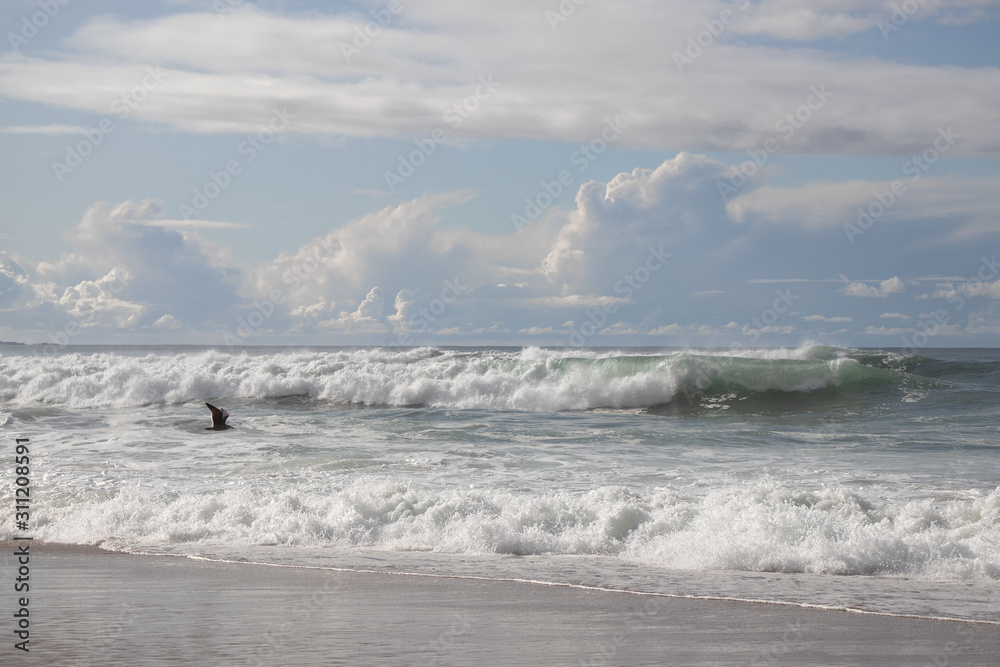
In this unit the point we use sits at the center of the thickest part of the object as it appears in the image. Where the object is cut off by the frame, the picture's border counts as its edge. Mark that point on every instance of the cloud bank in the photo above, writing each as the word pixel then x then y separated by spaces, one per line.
pixel 653 256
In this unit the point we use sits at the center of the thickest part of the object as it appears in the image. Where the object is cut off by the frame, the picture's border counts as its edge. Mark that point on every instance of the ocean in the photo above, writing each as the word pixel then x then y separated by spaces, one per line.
pixel 856 479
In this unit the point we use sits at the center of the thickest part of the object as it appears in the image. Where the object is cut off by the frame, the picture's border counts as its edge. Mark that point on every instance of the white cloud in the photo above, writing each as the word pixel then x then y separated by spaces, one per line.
pixel 168 321
pixel 984 322
pixel 894 316
pixel 12 279
pixel 94 302
pixel 400 270
pixel 674 205
pixel 772 329
pixel 225 76
pixel 401 248
pixel 991 290
pixel 368 318
pixel 43 129
pixel 574 301
pixel 579 261
pixel 892 286
pixel 886 331
pixel 124 272
pixel 863 290
pixel 886 287
pixel 822 318
pixel 966 209
pixel 196 224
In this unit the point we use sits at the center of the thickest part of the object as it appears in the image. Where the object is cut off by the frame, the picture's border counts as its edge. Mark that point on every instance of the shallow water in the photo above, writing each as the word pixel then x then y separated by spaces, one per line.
pixel 814 475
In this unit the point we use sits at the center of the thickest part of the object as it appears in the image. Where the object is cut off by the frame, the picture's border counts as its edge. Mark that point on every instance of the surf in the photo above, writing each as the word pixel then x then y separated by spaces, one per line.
pixel 533 379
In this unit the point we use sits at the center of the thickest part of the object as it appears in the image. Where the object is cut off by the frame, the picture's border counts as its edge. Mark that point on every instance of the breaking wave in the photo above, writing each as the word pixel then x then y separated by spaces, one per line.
pixel 530 379
pixel 765 526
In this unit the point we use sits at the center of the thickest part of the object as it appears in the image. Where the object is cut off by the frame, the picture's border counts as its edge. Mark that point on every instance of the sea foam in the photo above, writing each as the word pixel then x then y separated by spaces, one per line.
pixel 532 379
pixel 763 526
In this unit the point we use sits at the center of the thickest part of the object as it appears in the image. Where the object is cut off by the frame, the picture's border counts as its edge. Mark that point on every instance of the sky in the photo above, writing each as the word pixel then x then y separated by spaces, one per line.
pixel 690 173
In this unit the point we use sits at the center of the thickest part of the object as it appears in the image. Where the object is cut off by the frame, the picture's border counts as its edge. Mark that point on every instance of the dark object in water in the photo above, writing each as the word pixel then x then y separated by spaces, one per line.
pixel 219 418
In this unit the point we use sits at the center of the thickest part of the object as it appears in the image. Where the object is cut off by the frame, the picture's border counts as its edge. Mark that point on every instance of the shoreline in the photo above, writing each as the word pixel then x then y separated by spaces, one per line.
pixel 559 584
pixel 91 606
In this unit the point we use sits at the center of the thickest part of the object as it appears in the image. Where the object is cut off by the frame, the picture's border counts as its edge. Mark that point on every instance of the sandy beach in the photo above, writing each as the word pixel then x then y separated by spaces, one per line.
pixel 94 607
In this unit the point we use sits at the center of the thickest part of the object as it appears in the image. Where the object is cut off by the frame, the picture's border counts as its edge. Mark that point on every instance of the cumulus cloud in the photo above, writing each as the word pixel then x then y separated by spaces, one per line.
pixel 368 318
pixel 634 219
pixel 401 250
pixel 95 302
pixel 862 290
pixel 12 279
pixel 892 286
pixel 984 322
pixel 432 272
pixel 991 290
pixel 885 288
pixel 123 272
pixel 635 256
pixel 614 250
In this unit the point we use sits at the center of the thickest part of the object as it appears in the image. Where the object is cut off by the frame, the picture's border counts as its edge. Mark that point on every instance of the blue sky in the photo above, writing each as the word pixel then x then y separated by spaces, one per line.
pixel 673 173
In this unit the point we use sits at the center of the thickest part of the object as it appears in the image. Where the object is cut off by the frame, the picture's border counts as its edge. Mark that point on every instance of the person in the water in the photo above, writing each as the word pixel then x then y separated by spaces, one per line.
pixel 219 418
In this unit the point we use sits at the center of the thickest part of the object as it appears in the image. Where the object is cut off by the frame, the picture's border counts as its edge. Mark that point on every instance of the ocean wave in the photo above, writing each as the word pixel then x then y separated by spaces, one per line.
pixel 764 526
pixel 530 379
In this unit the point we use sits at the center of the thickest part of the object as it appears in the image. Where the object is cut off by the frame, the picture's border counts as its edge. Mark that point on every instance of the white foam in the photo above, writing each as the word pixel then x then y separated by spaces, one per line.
pixel 532 379
pixel 764 526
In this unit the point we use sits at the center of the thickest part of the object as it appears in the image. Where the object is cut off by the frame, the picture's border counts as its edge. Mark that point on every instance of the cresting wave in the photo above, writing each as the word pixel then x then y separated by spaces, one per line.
pixel 530 379
pixel 766 526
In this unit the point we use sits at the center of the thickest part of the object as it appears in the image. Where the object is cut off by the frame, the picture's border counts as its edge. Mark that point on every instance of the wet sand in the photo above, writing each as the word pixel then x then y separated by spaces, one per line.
pixel 93 607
